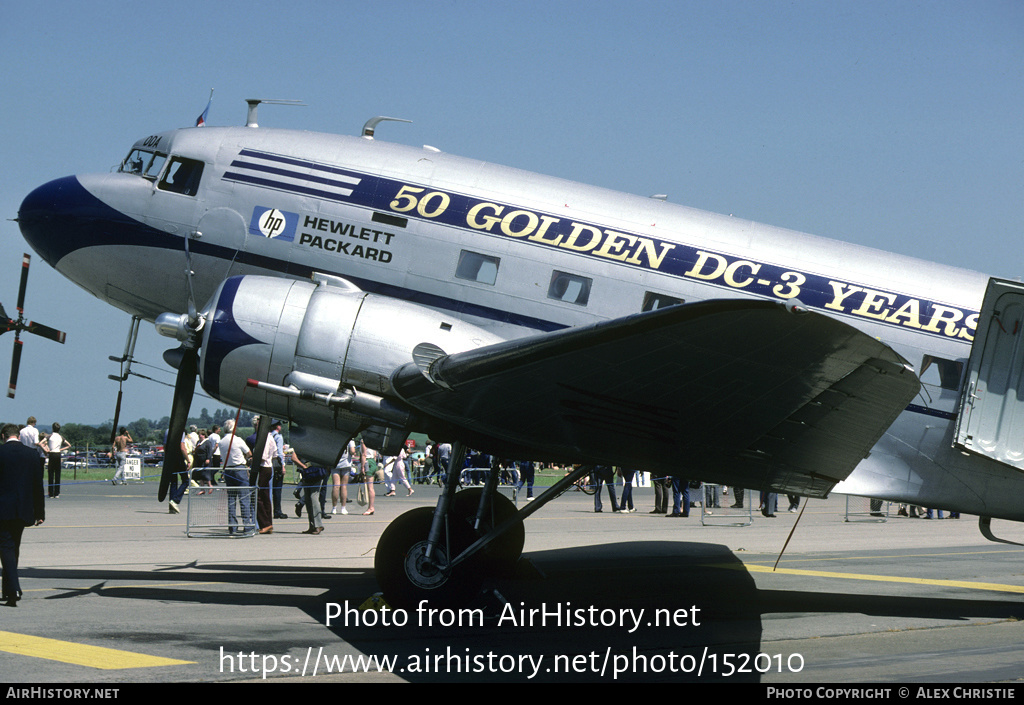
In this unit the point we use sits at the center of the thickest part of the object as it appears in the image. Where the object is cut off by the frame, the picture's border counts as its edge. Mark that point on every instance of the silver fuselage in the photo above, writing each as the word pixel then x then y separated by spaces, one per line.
pixel 514 253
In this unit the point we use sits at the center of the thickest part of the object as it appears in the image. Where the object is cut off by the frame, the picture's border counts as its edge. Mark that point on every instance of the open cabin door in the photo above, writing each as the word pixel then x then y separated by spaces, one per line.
pixel 991 418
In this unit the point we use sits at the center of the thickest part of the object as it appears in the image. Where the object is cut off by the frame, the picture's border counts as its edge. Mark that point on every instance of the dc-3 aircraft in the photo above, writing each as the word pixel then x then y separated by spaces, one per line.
pixel 360 287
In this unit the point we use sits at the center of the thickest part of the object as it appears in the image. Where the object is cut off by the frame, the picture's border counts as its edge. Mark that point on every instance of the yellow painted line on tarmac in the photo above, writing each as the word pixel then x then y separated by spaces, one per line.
pixel 998 587
pixel 80 654
pixel 902 556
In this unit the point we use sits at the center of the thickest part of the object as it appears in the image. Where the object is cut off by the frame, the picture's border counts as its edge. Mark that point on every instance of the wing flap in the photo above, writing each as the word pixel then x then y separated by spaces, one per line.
pixel 825 438
pixel 742 392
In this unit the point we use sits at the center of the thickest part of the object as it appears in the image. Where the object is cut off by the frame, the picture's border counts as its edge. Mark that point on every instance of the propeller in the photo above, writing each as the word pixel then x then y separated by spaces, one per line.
pixel 187 328
pixel 186 358
pixel 184 388
pixel 20 324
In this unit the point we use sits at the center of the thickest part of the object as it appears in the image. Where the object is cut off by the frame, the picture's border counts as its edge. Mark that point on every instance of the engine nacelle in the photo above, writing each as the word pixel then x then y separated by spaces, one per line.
pixel 325 337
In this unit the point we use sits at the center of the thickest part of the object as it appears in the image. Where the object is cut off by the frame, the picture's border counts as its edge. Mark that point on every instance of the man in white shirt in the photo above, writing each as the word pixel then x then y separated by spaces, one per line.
pixel 235 453
pixel 55 445
pixel 214 437
pixel 279 467
pixel 29 436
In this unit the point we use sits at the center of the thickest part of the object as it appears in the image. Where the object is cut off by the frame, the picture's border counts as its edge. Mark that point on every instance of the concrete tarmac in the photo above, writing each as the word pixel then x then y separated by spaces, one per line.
pixel 115 592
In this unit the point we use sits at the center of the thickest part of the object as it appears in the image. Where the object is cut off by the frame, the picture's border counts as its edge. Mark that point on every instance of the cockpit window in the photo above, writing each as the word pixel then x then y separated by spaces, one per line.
pixel 144 163
pixel 182 176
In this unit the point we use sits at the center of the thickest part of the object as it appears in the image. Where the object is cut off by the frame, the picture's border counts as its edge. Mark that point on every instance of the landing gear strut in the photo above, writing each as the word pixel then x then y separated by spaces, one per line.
pixel 444 555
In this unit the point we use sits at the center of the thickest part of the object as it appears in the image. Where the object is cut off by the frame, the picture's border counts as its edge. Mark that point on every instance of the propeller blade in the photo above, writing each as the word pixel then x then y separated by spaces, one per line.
pixel 15 364
pixel 45 331
pixel 24 282
pixel 184 388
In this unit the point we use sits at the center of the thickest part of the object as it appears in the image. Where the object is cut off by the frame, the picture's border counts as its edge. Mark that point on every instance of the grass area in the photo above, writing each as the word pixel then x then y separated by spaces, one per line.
pixel 542 478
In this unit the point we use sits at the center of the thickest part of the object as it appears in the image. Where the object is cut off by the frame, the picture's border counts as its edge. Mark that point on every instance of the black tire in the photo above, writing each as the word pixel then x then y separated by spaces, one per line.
pixel 406 579
pixel 501 556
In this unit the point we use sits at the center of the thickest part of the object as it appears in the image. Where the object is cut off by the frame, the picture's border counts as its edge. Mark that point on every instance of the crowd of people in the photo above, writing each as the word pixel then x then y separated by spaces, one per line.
pixel 362 467
pixel 26 455
pixel 207 452
pixel 665 486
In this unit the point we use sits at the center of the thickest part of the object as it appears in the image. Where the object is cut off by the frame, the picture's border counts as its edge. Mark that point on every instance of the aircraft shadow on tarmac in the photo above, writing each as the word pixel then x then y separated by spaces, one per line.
pixel 673 577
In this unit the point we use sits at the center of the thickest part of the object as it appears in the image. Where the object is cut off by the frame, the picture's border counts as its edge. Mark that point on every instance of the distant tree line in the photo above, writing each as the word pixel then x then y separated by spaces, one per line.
pixel 143 431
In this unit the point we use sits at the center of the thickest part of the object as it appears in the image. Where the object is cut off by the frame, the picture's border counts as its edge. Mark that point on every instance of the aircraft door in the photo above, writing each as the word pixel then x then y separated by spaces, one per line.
pixel 991 418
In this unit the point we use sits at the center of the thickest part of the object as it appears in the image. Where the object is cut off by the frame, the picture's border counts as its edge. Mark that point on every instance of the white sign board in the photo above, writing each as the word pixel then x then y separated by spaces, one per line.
pixel 133 469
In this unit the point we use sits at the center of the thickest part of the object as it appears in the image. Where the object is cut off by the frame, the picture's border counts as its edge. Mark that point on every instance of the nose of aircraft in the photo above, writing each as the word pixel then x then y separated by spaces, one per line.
pixel 69 214
pixel 47 217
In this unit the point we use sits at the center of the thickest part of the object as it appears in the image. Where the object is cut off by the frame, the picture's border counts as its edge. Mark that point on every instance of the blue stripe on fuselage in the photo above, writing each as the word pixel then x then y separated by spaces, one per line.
pixel 62 217
pixel 596 242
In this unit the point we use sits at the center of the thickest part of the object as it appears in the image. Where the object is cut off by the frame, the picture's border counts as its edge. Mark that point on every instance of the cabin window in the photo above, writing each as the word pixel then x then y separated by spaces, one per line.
pixel 477 267
pixel 143 163
pixel 654 301
pixel 938 372
pixel 570 288
pixel 182 176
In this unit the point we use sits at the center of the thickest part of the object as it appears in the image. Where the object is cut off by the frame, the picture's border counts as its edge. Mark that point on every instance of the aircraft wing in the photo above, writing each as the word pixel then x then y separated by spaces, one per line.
pixel 745 393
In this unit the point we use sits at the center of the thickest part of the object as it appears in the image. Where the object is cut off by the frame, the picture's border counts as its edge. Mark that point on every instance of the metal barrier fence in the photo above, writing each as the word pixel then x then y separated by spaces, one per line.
pixel 724 514
pixel 221 511
pixel 866 509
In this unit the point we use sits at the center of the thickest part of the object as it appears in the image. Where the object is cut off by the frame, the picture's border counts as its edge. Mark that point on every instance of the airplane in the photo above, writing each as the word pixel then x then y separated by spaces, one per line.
pixel 363 288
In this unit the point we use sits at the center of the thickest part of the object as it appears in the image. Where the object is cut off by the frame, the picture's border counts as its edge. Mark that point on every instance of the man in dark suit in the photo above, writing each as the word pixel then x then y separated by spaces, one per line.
pixel 21 505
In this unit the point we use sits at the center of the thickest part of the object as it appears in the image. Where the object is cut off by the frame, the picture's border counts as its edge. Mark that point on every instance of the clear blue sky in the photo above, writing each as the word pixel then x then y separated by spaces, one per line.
pixel 898 125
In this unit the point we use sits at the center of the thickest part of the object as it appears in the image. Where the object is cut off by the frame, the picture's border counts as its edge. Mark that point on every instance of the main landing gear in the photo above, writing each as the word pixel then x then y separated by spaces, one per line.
pixel 445 555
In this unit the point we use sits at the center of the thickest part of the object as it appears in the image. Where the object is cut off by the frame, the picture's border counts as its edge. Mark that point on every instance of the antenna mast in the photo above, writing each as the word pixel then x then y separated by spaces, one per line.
pixel 250 120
